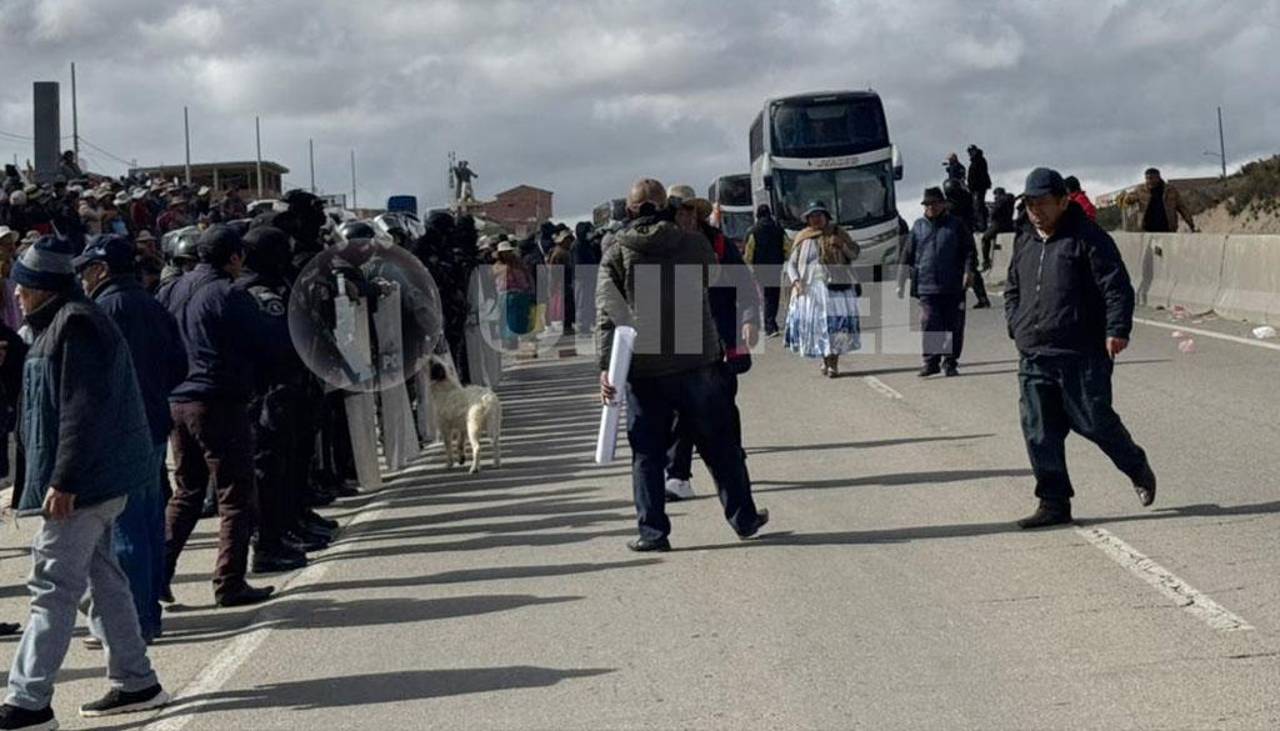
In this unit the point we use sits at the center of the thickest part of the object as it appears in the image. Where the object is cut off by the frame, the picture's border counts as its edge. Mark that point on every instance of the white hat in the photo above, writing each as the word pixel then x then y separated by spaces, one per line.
pixel 122 199
pixel 505 246
pixel 485 242
pixel 204 190
pixel 8 233
pixel 139 194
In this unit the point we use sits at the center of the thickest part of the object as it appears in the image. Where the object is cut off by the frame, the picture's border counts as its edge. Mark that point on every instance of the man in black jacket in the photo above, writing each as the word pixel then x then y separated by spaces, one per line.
pixel 1069 304
pixel 1001 222
pixel 226 341
pixel 766 252
pixel 941 260
pixel 106 271
pixel 979 184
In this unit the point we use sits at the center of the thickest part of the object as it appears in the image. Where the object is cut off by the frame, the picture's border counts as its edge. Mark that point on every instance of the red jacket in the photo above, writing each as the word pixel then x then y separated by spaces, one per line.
pixel 1089 209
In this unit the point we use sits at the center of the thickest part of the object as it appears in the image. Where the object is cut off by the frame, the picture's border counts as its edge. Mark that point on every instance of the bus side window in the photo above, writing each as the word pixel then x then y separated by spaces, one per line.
pixel 756 141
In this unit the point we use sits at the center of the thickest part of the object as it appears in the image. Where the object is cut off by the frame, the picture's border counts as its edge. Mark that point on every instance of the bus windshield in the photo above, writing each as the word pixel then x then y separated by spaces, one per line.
pixel 828 127
pixel 856 197
pixel 736 225
pixel 733 190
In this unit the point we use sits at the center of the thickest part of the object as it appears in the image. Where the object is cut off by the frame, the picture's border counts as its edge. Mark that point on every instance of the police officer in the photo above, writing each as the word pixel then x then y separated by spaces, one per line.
pixel 273 408
pixel 1069 305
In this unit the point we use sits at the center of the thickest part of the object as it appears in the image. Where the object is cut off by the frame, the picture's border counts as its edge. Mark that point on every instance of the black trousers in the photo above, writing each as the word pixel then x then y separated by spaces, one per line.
pixel 942 328
pixel 275 423
pixel 680 456
pixel 1062 394
pixel 772 295
pixel 703 398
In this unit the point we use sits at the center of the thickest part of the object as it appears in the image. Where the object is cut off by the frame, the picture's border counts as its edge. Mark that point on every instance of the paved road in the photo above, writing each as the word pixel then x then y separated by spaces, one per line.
pixel 890 591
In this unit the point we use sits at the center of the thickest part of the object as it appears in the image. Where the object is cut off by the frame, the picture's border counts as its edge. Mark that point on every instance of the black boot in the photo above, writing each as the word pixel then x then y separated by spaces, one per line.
pixel 1145 486
pixel 280 557
pixel 1047 514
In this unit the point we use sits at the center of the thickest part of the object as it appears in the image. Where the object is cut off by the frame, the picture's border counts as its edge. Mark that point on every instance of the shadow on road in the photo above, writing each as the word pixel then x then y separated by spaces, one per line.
pixel 869 444
pixel 376 688
pixel 892 480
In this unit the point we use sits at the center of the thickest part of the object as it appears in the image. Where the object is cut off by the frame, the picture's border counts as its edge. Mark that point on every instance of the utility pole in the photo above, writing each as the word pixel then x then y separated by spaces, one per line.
pixel 76 117
pixel 311 155
pixel 257 131
pixel 186 130
pixel 354 204
pixel 1221 141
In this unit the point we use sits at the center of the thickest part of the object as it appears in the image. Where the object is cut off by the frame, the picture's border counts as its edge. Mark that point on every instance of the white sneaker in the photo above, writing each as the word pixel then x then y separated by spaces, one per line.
pixel 679 489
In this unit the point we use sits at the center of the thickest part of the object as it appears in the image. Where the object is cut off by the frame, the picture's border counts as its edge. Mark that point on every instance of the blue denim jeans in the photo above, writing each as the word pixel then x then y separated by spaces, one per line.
pixel 139 543
pixel 71 556
pixel 703 400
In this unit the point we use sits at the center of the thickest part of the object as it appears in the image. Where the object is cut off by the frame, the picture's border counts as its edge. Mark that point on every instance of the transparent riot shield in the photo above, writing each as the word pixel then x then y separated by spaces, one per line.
pixel 399 433
pixel 352 336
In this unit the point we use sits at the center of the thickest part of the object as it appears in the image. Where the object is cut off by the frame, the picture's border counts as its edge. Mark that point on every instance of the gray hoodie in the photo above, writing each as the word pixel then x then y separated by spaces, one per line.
pixel 655 279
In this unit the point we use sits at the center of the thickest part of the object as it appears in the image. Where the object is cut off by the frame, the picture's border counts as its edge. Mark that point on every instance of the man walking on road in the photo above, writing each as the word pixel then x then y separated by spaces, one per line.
pixel 88 451
pixel 677 369
pixel 766 253
pixel 1069 305
pixel 225 341
pixel 941 260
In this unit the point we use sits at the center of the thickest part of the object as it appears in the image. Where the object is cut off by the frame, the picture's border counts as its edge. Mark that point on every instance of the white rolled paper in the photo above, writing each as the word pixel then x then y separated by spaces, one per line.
pixel 624 342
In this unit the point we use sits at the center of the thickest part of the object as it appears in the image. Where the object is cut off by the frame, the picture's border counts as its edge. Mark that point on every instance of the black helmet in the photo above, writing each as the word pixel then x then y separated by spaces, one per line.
pixel 352 230
pixel 266 250
pixel 954 189
pixel 185 249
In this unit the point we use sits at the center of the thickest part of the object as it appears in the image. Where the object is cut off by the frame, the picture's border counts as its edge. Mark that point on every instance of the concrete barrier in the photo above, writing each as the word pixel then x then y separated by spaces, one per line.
pixel 1195 263
pixel 1250 279
pixel 1131 246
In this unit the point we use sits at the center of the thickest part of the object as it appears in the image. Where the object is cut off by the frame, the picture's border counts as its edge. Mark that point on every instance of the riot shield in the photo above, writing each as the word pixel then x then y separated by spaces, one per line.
pixel 399 433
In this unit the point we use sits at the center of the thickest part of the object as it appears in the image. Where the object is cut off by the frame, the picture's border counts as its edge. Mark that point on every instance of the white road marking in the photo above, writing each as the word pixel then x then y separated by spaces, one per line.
pixel 881 387
pixel 1165 582
pixel 226 663
pixel 1209 334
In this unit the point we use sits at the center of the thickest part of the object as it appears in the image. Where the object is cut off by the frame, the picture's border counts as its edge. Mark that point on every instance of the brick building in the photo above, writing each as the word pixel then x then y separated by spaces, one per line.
pixel 520 209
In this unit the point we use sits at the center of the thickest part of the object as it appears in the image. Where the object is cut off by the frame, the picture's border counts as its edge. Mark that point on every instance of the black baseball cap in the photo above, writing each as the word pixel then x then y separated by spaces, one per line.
pixel 1042 182
pixel 115 251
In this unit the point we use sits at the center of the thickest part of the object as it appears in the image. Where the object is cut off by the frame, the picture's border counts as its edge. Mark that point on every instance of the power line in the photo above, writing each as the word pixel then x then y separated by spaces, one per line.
pixel 15 135
pixel 111 155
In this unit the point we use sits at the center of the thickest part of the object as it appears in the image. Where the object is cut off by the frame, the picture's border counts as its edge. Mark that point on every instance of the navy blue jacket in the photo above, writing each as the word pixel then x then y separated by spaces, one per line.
pixel 1067 295
pixel 159 358
pixel 83 425
pixel 939 252
pixel 224 333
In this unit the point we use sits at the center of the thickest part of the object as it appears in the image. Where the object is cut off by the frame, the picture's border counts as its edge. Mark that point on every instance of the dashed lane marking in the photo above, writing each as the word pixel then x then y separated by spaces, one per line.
pixel 1165 582
pixel 881 387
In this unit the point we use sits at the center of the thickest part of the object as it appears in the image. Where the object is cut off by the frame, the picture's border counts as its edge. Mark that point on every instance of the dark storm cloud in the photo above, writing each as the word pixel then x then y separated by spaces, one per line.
pixel 582 97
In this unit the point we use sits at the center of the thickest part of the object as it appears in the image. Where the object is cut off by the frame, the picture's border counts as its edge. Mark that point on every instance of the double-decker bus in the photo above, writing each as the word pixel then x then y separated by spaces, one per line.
pixel 732 194
pixel 831 147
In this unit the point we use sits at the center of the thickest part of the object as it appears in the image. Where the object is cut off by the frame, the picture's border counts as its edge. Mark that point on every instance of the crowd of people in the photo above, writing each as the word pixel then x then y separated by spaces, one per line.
pixel 118 352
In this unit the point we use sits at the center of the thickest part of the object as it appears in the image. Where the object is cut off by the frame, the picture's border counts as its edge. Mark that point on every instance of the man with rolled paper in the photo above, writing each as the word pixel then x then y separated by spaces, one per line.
pixel 677 368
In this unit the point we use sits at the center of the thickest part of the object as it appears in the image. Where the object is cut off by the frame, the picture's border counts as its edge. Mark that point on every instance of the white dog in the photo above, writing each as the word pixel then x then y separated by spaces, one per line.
pixel 469 410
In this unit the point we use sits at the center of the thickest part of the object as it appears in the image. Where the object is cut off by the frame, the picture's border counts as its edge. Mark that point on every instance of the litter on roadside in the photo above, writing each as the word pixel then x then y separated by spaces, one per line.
pixel 1187 346
pixel 1266 332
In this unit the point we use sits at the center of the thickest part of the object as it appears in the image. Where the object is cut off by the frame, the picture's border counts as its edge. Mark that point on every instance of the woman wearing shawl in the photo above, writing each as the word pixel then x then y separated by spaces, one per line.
pixel 823 318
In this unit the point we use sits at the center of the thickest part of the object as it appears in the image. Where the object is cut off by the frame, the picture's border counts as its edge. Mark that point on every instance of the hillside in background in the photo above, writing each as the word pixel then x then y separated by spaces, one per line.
pixel 1246 202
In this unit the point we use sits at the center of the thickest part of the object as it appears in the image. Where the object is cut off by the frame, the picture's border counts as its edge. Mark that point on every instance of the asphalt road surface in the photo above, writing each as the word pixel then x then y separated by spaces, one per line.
pixel 889 591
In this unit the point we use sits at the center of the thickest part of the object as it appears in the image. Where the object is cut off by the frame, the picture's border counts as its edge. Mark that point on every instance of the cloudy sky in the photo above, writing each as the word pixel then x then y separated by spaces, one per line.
pixel 581 97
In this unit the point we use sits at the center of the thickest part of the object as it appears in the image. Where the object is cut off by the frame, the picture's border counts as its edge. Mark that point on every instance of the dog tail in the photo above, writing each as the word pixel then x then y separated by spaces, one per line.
pixel 493 407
